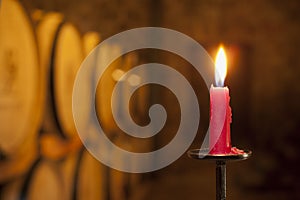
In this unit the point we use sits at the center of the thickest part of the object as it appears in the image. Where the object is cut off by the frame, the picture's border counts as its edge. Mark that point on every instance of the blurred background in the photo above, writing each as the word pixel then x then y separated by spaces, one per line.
pixel 42 46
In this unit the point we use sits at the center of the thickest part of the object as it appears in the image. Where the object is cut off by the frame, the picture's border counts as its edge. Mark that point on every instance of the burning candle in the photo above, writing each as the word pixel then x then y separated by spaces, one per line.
pixel 220 111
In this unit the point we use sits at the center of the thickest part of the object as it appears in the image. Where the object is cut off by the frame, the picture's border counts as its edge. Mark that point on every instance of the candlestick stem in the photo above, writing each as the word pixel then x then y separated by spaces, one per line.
pixel 221 180
pixel 220 159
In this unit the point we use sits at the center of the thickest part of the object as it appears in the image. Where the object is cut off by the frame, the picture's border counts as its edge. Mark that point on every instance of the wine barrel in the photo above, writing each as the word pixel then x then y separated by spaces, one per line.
pixel 90 41
pixel 67 55
pixel 62 57
pixel 119 182
pixel 68 169
pixel 46 30
pixel 118 185
pixel 43 181
pixel 20 91
pixel 113 183
pixel 53 142
pixel 91 178
pixel 106 86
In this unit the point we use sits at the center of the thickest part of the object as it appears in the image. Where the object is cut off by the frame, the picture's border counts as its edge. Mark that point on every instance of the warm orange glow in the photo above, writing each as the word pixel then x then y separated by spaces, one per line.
pixel 220 67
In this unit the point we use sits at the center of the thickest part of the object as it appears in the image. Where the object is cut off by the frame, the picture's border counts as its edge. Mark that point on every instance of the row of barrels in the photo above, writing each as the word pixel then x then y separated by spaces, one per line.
pixel 41 155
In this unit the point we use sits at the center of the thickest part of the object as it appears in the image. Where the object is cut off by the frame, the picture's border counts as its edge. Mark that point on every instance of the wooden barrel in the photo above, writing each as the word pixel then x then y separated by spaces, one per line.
pixel 106 86
pixel 119 182
pixel 84 177
pixel 20 91
pixel 118 185
pixel 49 28
pixel 61 56
pixel 63 53
pixel 69 169
pixel 46 30
pixel 67 55
pixel 91 178
pixel 43 181
pixel 90 41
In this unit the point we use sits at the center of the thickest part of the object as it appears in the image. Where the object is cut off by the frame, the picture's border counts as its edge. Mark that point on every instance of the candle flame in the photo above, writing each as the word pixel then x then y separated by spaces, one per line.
pixel 220 67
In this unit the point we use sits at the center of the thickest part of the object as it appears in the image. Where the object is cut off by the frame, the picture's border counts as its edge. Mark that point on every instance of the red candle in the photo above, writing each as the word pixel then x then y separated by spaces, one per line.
pixel 220 111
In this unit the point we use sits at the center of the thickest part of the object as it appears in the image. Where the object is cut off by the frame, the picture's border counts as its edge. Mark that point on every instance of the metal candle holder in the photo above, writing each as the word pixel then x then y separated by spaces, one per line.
pixel 220 159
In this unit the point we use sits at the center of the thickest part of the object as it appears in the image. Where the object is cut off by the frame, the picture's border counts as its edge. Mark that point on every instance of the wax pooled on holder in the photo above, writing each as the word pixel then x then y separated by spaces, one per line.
pixel 235 150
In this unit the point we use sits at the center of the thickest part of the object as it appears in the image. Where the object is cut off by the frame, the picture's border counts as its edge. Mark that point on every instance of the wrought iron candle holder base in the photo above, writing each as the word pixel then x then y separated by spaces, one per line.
pixel 220 159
